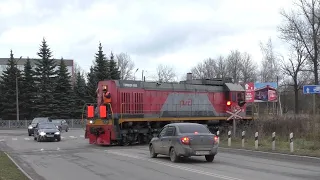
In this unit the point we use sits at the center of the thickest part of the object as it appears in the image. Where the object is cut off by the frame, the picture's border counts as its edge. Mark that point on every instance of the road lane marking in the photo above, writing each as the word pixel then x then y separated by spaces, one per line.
pixel 72 137
pixel 14 139
pixel 62 137
pixel 27 139
pixel 174 166
pixel 2 140
pixel 58 149
pixel 82 136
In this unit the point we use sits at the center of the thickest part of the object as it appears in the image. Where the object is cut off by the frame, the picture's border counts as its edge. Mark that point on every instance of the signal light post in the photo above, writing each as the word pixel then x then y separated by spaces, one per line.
pixel 234 116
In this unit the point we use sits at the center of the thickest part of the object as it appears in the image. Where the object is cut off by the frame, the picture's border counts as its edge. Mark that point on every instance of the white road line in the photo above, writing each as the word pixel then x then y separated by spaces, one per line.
pixel 82 136
pixel 14 139
pixel 62 137
pixel 2 140
pixel 72 137
pixel 27 139
pixel 58 149
pixel 174 166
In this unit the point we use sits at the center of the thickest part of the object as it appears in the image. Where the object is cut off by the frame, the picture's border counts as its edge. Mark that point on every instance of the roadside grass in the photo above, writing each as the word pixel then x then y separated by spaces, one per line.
pixel 8 170
pixel 305 129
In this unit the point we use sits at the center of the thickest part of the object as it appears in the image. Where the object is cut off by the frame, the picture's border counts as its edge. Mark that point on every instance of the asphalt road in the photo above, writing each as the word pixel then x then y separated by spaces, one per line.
pixel 74 159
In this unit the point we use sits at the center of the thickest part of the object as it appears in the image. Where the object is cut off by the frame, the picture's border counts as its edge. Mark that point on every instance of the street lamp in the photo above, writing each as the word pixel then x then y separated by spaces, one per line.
pixel 17 89
pixel 134 75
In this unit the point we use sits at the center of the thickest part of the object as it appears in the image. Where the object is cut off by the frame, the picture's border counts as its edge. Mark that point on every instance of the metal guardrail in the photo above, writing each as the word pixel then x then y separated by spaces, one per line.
pixel 12 124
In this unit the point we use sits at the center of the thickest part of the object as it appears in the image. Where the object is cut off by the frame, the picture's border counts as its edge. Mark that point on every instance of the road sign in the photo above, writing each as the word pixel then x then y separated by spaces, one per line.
pixel 234 115
pixel 311 89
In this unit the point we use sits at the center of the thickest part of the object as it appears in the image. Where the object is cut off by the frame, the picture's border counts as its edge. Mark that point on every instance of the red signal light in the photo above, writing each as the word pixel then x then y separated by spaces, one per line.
pixel 185 140
pixel 228 103
pixel 90 111
pixel 196 132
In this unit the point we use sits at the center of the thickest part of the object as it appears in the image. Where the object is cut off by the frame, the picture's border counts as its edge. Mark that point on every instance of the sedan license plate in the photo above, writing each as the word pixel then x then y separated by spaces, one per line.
pixel 202 152
pixel 49 135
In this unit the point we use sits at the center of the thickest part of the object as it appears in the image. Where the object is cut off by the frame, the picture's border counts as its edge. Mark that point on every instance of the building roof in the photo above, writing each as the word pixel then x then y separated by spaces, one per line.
pixel 4 61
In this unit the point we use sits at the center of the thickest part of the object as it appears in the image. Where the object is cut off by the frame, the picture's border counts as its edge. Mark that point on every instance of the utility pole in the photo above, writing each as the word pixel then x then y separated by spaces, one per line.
pixel 17 90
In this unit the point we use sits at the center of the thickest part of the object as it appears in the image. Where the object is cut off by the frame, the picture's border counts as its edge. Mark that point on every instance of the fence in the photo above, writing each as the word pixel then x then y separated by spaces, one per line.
pixel 12 124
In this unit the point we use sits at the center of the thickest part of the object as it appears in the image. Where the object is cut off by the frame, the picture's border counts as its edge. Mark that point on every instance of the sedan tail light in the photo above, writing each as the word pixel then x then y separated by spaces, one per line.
pixel 185 140
pixel 216 139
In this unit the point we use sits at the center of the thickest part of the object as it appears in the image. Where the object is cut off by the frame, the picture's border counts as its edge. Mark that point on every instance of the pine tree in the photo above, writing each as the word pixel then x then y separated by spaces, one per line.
pixel 63 94
pixel 80 94
pixel 92 85
pixel 9 77
pixel 101 68
pixel 113 68
pixel 28 95
pixel 45 73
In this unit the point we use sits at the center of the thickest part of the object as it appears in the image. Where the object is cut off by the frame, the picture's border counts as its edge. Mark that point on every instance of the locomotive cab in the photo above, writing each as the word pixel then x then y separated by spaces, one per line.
pixel 235 98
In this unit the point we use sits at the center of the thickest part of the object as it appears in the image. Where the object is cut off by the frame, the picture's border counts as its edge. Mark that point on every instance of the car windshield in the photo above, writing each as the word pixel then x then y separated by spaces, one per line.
pixel 193 128
pixel 39 120
pixel 47 126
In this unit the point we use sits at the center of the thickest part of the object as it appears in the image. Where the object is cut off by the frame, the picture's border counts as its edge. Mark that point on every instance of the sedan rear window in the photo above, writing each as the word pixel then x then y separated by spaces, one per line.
pixel 193 128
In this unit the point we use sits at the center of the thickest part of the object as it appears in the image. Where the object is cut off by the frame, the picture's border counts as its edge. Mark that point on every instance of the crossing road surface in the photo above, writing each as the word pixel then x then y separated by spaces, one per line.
pixel 74 159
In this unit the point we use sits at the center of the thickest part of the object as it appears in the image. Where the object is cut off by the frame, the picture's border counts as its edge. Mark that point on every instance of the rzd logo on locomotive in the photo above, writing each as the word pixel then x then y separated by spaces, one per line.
pixel 187 102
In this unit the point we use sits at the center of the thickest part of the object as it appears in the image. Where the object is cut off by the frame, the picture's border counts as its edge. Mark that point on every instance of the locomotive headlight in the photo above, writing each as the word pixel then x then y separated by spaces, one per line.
pixel 90 121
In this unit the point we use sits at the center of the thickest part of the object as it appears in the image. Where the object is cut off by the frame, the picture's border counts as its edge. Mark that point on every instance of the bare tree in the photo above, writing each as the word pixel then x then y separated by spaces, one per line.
pixel 270 66
pixel 293 67
pixel 205 69
pixel 165 73
pixel 303 25
pixel 221 67
pixel 248 68
pixel 126 66
pixel 234 64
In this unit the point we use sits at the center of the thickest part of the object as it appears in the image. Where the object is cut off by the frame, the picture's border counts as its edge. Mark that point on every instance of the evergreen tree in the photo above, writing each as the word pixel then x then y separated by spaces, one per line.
pixel 113 68
pixel 92 85
pixel 27 95
pixel 80 94
pixel 8 89
pixel 63 94
pixel 45 73
pixel 101 68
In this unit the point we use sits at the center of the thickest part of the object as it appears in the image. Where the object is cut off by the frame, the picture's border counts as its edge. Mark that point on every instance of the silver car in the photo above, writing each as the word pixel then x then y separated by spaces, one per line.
pixel 184 140
pixel 61 124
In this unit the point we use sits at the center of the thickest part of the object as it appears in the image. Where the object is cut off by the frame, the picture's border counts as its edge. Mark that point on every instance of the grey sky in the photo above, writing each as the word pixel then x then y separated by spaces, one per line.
pixel 179 33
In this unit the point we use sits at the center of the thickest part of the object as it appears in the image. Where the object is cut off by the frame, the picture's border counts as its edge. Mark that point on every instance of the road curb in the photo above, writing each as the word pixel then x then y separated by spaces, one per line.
pixel 270 155
pixel 14 162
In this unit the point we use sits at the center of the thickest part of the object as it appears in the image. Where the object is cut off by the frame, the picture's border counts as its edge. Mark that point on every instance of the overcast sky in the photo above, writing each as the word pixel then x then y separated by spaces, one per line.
pixel 180 33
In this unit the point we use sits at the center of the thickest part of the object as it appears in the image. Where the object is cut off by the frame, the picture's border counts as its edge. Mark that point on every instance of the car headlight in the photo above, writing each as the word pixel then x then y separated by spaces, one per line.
pixel 42 133
pixel 57 133
pixel 30 127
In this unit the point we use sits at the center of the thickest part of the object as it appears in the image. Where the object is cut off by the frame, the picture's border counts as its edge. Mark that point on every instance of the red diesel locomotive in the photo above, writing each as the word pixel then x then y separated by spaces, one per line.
pixel 140 109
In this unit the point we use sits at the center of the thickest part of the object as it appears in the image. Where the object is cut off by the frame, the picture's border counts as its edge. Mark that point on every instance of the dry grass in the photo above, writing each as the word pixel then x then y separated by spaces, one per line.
pixel 306 131
pixel 8 170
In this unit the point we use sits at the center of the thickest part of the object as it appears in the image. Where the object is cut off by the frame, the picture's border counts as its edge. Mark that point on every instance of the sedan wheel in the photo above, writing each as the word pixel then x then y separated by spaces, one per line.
pixel 173 155
pixel 152 152
pixel 209 158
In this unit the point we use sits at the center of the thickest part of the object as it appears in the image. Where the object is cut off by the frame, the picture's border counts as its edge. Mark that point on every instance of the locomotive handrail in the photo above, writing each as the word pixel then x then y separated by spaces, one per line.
pixel 143 110
pixel 111 110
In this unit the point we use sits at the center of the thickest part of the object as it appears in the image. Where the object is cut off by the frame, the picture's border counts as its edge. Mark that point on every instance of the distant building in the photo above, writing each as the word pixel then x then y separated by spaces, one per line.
pixel 69 63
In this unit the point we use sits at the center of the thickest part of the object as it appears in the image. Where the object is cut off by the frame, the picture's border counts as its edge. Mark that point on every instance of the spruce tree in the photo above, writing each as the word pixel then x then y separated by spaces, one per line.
pixel 63 94
pixel 9 110
pixel 92 85
pixel 80 94
pixel 28 95
pixel 101 68
pixel 113 68
pixel 45 73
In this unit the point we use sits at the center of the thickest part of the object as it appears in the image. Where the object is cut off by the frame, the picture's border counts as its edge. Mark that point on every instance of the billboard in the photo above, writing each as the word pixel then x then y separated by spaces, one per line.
pixel 261 92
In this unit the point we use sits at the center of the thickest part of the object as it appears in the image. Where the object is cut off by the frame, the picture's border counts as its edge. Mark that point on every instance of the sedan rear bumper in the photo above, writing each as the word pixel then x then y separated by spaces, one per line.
pixel 188 151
